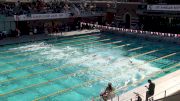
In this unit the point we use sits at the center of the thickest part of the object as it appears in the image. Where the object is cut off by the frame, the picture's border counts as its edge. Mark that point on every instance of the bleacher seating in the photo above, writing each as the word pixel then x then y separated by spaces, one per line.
pixel 39 6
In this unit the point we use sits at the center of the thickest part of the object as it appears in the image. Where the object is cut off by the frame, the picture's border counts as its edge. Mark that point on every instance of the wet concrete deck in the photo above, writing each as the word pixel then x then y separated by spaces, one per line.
pixel 170 83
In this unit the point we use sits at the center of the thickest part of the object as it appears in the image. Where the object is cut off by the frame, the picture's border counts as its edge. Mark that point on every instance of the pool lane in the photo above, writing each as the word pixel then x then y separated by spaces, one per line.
pixel 146 53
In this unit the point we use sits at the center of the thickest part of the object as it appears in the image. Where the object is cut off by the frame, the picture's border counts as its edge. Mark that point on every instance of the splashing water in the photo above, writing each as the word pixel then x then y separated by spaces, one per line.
pixel 112 65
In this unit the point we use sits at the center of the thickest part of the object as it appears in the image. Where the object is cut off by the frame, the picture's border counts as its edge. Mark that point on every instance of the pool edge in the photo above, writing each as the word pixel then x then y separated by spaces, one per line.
pixel 162 84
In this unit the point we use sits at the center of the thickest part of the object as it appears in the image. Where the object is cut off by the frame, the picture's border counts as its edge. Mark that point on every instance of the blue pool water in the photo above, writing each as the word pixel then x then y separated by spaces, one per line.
pixel 78 68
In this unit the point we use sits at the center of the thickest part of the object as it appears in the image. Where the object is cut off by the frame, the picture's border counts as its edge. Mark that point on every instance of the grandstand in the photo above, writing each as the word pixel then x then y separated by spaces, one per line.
pixel 20 12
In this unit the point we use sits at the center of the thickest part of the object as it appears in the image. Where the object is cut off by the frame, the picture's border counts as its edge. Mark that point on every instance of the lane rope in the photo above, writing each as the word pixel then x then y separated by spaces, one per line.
pixel 24 53
pixel 30 53
pixel 56 79
pixel 53 41
pixel 51 70
pixel 71 88
pixel 19 68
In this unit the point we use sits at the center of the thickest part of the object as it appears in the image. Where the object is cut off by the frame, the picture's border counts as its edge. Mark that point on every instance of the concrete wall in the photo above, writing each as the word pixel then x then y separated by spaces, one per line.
pixel 130 9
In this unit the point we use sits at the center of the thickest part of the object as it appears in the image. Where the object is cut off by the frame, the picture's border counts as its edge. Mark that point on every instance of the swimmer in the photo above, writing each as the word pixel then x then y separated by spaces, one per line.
pixel 109 58
pixel 56 69
pixel 140 69
pixel 94 55
pixel 130 61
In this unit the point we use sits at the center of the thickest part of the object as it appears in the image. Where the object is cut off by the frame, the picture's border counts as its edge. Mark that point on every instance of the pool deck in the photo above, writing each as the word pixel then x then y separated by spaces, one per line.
pixel 29 38
pixel 170 82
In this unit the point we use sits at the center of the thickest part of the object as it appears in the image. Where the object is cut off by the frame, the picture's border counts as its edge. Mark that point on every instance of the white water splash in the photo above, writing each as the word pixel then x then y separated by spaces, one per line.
pixel 108 64
pixel 32 47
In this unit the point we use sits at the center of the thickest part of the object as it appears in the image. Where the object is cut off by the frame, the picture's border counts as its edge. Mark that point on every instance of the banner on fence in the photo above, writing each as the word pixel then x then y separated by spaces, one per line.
pixel 131 30
pixel 163 7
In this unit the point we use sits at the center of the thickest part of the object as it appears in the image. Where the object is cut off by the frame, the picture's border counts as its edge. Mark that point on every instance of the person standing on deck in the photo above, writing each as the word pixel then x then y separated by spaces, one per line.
pixel 150 91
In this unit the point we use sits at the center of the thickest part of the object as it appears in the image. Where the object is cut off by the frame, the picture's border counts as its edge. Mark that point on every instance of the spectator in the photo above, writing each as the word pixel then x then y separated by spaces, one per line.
pixel 150 91
pixel 17 4
pixel 39 6
pixel 138 97
pixel 108 93
pixel 35 31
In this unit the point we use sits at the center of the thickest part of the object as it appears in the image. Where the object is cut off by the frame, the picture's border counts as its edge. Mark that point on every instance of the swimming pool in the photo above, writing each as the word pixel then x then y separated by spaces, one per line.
pixel 78 68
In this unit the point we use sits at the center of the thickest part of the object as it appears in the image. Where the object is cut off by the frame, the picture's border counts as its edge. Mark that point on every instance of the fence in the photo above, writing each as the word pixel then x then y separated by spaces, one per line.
pixel 107 28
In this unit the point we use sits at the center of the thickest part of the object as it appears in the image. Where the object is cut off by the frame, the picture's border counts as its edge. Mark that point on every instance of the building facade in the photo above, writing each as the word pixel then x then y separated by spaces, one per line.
pixel 160 15
pixel 119 13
